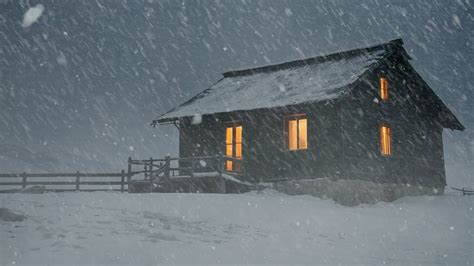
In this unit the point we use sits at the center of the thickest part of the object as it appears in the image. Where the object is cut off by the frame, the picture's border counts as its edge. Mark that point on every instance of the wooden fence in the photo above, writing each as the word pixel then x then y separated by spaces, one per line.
pixel 465 191
pixel 32 179
pixel 138 172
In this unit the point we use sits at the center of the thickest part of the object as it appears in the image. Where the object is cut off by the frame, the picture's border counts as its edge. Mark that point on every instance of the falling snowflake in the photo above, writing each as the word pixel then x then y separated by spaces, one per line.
pixel 197 119
pixel 32 15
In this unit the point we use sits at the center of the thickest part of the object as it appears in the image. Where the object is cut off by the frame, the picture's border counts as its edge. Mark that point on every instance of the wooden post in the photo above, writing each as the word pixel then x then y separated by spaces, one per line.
pixel 220 184
pixel 77 180
pixel 23 177
pixel 150 168
pixel 122 181
pixel 220 164
pixel 192 166
pixel 129 173
pixel 145 167
pixel 167 167
pixel 150 175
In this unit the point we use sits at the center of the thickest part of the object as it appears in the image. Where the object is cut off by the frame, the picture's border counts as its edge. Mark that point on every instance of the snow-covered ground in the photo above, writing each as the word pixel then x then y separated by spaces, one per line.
pixel 251 228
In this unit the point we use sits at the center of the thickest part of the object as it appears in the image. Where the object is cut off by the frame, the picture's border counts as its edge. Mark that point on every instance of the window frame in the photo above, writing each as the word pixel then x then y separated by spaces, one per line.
pixel 390 140
pixel 234 124
pixel 383 97
pixel 286 133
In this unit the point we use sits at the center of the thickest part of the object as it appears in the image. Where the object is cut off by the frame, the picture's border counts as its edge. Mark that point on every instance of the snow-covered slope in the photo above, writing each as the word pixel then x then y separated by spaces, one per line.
pixel 268 227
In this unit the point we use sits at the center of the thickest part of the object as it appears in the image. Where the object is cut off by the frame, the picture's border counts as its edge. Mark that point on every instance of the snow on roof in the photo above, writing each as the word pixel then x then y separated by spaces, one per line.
pixel 308 80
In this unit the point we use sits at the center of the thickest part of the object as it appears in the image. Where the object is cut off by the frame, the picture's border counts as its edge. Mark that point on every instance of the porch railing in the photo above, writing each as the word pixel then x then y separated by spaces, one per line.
pixel 170 167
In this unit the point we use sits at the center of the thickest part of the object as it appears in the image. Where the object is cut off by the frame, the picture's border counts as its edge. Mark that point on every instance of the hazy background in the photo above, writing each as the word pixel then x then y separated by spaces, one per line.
pixel 79 87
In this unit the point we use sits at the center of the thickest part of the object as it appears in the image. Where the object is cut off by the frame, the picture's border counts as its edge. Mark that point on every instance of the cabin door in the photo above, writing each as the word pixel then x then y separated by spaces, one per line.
pixel 233 147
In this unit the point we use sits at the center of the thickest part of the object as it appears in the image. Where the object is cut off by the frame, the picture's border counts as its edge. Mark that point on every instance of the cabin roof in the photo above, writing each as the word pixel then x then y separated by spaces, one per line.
pixel 295 82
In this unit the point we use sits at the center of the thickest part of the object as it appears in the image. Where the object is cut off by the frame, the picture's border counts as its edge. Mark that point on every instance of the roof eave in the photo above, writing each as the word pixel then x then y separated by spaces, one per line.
pixel 456 125
pixel 164 121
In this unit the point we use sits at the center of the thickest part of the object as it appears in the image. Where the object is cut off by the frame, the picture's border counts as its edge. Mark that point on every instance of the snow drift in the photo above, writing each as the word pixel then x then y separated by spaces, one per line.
pixel 252 228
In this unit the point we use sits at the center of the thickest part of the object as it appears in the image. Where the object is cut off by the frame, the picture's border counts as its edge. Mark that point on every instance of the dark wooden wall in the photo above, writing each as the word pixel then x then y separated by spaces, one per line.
pixel 417 145
pixel 268 157
pixel 265 154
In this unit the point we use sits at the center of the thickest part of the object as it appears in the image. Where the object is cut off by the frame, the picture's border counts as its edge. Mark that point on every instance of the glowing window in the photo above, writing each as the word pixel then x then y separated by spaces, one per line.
pixel 233 147
pixel 297 131
pixel 385 140
pixel 229 147
pixel 384 89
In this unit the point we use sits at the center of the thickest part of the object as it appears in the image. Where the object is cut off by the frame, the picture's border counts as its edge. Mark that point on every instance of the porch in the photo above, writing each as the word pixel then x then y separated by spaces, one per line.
pixel 204 174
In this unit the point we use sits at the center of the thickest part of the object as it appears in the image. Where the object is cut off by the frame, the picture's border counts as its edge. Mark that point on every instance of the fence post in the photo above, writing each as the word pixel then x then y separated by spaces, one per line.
pixel 150 175
pixel 150 168
pixel 220 164
pixel 129 173
pixel 167 167
pixel 122 181
pixel 77 180
pixel 23 177
pixel 145 167
pixel 192 165
pixel 220 184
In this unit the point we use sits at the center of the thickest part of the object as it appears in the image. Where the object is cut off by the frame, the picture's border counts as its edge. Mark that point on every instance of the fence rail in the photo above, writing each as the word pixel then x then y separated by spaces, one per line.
pixel 184 166
pixel 28 179
pixel 465 191
pixel 148 171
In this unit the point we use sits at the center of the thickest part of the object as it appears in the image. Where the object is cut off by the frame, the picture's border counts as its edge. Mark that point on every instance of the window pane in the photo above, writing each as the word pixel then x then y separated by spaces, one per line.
pixel 382 140
pixel 228 135
pixel 303 132
pixel 388 141
pixel 292 135
pixel 383 88
pixel 238 150
pixel 238 167
pixel 228 150
pixel 228 166
pixel 238 134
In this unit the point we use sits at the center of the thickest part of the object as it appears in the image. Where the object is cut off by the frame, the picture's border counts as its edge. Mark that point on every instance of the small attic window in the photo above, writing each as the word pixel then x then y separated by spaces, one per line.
pixel 384 88
pixel 296 132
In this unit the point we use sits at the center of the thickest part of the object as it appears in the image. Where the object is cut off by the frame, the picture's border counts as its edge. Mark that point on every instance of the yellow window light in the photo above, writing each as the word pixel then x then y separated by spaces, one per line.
pixel 233 147
pixel 385 140
pixel 384 89
pixel 302 133
pixel 292 135
pixel 297 132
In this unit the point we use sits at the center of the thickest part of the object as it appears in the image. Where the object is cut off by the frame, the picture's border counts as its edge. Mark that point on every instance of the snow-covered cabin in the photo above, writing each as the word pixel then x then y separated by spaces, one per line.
pixel 359 115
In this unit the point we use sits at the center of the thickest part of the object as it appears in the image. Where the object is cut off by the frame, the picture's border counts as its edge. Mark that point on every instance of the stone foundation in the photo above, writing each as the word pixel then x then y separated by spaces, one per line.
pixel 353 192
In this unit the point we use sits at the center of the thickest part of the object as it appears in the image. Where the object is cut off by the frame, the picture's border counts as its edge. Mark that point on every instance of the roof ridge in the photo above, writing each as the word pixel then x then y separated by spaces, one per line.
pixel 389 46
